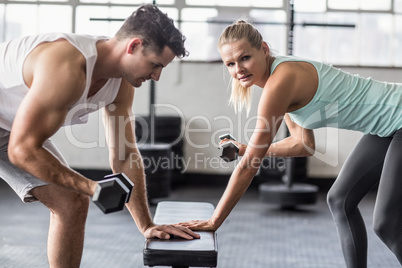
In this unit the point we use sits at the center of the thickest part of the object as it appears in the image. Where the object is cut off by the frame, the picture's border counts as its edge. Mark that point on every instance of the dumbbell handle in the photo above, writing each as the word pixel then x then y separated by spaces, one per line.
pixel 227 136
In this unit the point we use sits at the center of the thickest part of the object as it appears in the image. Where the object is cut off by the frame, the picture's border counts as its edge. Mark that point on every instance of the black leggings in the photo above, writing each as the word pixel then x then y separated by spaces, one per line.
pixel 374 160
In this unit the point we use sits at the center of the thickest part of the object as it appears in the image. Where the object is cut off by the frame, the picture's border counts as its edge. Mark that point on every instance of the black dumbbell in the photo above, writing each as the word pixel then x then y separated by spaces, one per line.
pixel 112 193
pixel 229 150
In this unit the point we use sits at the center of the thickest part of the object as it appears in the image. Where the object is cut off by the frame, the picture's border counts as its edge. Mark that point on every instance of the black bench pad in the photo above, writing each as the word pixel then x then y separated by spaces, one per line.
pixel 179 252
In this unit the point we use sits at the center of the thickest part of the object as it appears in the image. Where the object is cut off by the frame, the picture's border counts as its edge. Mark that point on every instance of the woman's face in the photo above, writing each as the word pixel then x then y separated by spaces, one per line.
pixel 246 64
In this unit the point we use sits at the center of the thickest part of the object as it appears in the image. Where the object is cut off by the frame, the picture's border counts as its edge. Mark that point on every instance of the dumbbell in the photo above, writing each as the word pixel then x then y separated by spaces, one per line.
pixel 113 192
pixel 229 151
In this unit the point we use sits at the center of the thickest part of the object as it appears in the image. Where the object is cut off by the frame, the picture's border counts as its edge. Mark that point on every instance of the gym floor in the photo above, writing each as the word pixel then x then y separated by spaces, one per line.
pixel 255 235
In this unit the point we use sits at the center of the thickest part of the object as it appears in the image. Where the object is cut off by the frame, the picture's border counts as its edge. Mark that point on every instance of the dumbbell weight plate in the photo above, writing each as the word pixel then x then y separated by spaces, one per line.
pixel 229 151
pixel 124 179
pixel 110 195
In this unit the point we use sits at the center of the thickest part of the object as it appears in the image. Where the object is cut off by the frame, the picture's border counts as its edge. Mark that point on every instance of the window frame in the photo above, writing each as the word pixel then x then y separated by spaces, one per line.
pixel 181 4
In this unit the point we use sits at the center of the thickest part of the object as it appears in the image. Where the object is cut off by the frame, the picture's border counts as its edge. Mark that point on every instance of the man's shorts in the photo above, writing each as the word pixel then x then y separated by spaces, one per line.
pixel 19 180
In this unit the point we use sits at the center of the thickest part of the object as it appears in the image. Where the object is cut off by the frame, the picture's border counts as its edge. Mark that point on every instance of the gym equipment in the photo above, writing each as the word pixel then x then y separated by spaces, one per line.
pixel 288 194
pixel 168 130
pixel 229 150
pixel 158 162
pixel 113 192
pixel 177 252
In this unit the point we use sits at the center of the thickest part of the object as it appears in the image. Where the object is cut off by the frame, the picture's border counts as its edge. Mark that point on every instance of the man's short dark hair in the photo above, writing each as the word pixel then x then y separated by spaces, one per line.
pixel 155 29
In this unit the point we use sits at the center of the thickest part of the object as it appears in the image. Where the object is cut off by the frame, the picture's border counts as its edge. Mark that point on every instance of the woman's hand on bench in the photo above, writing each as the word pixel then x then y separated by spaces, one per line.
pixel 166 231
pixel 199 225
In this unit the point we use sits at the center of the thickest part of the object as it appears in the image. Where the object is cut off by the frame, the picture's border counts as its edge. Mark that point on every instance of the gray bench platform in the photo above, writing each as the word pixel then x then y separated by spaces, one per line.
pixel 178 252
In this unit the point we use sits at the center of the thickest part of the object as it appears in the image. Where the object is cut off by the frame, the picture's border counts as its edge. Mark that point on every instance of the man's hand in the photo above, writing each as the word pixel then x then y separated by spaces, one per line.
pixel 199 225
pixel 166 231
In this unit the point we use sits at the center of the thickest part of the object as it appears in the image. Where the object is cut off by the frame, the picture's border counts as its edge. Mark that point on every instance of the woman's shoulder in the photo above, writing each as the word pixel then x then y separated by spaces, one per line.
pixel 286 59
pixel 294 77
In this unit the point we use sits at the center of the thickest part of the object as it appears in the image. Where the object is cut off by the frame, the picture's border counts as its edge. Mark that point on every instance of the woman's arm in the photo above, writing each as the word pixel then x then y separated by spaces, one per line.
pixel 299 143
pixel 272 107
pixel 282 92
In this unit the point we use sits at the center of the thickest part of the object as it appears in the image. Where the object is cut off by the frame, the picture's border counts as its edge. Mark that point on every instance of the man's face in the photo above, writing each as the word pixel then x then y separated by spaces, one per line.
pixel 143 64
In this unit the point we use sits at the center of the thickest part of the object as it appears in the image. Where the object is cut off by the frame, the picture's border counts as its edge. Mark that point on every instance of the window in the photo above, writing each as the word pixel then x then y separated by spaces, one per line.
pixel 106 20
pixel 201 36
pixel 337 45
pixel 342 42
pixel 25 19
pixel 398 6
pixel 397 44
pixel 384 5
pixel 203 26
pixel 236 3
pixel 16 1
pixel 310 6
pixel 376 39
pixel 92 19
pixel 272 26
pixel 369 31
pixel 2 19
pixel 129 2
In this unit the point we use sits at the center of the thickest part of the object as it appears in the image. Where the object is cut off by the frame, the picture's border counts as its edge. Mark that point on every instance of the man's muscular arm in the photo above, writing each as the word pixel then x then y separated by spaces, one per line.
pixel 55 74
pixel 125 157
pixel 123 153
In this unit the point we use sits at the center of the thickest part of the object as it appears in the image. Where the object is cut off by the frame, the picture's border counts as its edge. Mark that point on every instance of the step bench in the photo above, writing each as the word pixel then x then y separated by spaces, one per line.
pixel 178 252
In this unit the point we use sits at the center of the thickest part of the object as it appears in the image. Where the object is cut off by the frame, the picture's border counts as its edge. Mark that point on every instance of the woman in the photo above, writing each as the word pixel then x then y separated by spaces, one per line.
pixel 308 95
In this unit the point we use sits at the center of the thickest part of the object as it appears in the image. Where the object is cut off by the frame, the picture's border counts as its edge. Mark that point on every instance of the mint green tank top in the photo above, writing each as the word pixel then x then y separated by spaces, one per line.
pixel 349 101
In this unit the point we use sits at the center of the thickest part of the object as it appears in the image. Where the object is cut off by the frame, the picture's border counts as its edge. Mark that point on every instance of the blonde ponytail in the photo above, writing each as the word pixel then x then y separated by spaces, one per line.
pixel 240 97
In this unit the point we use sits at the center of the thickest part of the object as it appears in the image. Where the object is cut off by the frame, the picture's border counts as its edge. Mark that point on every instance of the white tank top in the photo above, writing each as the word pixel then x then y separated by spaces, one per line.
pixel 13 88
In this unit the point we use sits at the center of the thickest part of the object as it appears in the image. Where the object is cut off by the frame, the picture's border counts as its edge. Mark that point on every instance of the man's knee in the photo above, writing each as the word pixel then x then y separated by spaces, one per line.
pixel 62 201
pixel 72 209
pixel 79 204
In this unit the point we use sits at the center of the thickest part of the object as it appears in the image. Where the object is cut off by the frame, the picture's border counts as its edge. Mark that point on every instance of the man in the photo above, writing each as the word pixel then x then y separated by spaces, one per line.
pixel 52 80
